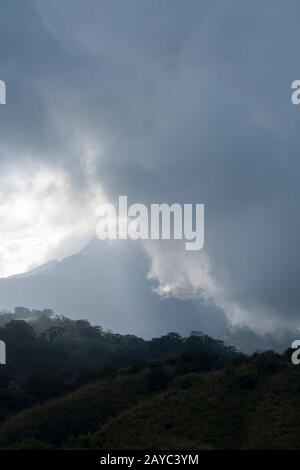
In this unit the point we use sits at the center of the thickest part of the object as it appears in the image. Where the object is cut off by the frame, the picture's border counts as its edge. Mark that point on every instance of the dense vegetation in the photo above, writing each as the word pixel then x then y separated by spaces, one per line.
pixel 68 384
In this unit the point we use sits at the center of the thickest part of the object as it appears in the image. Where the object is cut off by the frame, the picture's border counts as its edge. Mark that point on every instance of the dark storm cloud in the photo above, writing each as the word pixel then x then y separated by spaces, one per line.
pixel 185 102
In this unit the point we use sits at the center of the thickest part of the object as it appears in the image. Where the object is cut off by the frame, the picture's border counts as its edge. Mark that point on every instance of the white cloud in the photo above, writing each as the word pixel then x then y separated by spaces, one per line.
pixel 186 275
pixel 42 216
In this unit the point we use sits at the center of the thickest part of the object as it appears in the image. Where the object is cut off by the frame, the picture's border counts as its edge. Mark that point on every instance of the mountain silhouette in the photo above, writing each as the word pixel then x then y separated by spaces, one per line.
pixel 107 283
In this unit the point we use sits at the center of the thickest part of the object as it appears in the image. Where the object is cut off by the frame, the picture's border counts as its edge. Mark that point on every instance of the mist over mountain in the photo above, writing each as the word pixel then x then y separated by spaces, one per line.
pixel 107 283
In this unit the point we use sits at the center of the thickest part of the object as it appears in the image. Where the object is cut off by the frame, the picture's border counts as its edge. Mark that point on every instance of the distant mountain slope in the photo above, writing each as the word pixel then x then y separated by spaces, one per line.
pixel 107 283
pixel 43 269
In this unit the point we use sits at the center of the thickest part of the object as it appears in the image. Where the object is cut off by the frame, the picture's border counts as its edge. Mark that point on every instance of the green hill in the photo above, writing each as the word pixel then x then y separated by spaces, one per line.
pixel 236 408
pixel 81 411
pixel 71 385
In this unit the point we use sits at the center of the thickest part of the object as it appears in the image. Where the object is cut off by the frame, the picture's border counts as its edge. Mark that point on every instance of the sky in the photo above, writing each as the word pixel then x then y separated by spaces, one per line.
pixel 163 101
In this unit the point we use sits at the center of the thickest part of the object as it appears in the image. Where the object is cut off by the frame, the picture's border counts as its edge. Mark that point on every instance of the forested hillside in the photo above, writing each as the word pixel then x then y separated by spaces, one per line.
pixel 68 384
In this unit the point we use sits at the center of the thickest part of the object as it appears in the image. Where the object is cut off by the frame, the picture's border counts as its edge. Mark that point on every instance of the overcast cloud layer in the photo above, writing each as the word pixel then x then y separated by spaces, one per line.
pixel 165 101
